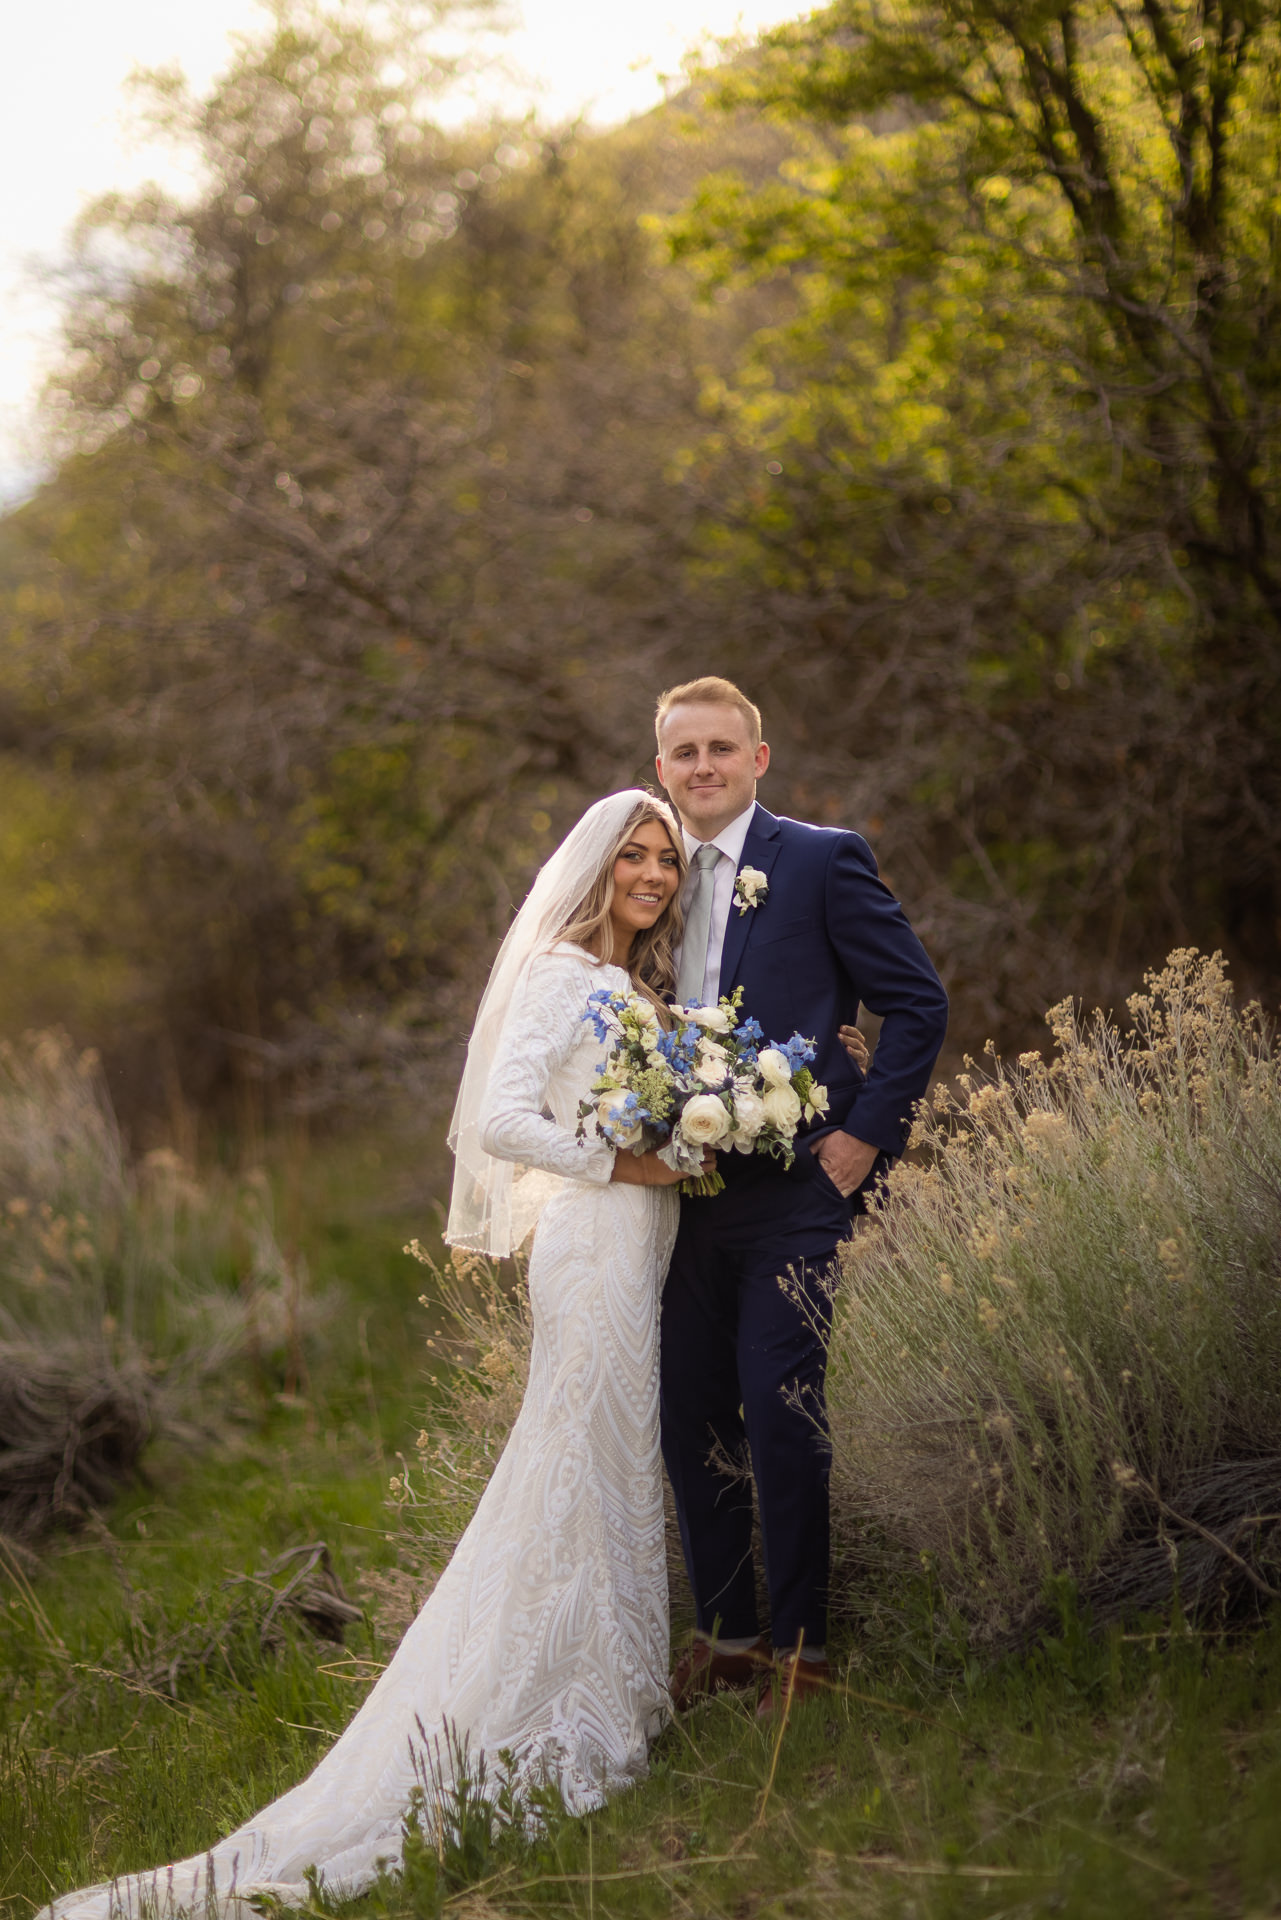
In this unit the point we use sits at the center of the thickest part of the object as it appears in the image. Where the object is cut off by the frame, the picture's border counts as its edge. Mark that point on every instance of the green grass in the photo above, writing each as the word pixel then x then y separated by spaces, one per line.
pixel 1124 1775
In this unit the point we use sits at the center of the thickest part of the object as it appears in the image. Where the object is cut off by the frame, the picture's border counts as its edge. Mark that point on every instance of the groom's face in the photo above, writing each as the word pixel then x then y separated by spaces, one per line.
pixel 709 765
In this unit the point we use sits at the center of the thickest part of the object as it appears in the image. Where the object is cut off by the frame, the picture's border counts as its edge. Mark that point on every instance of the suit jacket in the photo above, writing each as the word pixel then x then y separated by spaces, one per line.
pixel 829 935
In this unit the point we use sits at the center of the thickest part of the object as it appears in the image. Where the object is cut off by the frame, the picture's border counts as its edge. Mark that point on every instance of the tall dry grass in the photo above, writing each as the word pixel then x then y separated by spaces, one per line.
pixel 481 1364
pixel 1057 1344
pixel 126 1293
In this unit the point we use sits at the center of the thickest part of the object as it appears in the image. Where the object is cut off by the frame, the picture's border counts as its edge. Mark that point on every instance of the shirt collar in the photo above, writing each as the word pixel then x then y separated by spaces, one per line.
pixel 730 840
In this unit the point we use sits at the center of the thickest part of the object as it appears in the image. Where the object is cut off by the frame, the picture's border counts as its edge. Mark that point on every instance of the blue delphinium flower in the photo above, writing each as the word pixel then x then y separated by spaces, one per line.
pixel 749 1037
pixel 677 1047
pixel 627 1114
pixel 798 1050
pixel 597 1002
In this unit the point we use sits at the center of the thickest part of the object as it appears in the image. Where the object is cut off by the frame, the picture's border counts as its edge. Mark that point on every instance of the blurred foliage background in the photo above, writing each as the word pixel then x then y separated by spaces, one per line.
pixel 919 368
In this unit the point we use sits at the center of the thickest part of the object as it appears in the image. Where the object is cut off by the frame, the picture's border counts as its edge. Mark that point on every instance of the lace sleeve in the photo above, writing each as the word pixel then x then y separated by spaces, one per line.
pixel 544 1028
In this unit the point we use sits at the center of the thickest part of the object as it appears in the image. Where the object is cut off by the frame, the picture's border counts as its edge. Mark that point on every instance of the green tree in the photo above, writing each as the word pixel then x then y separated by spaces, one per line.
pixel 360 563
pixel 1006 471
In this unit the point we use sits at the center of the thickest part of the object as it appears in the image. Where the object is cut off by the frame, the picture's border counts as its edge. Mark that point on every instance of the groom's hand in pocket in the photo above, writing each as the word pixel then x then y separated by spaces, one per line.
pixel 845 1160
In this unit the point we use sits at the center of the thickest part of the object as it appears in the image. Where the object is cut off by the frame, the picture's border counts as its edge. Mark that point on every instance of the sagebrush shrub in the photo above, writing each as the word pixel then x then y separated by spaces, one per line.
pixel 1073 1306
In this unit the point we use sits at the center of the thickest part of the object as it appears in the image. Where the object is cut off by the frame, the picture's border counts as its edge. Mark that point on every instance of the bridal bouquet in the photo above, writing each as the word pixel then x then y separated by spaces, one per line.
pixel 705 1082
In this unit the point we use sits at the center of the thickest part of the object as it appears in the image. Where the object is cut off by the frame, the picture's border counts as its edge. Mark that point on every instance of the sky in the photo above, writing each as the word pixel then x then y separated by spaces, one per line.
pixel 65 134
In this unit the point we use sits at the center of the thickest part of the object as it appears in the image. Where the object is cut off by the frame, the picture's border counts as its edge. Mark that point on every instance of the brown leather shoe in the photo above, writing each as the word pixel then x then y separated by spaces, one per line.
pixel 804 1677
pixel 706 1668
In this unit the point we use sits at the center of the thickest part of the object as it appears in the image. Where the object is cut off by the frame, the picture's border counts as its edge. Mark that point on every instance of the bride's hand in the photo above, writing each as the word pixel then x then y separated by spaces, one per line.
pixel 855 1045
pixel 647 1170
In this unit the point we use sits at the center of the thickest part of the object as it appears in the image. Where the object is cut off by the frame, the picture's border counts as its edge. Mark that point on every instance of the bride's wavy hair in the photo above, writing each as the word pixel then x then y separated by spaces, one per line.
pixel 651 961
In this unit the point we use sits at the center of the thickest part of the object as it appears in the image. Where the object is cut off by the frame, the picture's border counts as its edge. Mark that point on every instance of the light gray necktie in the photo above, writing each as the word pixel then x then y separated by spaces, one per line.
pixel 698 926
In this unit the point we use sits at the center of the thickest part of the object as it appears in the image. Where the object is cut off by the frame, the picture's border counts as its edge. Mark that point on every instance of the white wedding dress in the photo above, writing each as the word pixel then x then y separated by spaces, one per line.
pixel 547 1632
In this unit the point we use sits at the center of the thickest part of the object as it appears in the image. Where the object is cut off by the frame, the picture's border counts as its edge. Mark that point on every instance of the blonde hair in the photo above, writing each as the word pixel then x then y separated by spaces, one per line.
pixel 711 690
pixel 650 961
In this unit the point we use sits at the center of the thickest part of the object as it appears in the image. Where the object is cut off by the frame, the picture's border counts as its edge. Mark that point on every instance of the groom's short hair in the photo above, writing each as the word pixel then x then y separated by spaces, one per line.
pixel 712 691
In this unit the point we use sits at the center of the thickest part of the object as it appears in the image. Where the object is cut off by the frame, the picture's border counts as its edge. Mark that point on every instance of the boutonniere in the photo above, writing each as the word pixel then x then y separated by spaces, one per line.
pixel 750 887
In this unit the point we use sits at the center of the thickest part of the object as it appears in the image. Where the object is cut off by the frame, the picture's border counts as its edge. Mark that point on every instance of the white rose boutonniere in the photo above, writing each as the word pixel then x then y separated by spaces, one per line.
pixel 751 886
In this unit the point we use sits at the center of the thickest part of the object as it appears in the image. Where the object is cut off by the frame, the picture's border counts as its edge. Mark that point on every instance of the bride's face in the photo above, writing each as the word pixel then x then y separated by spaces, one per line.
pixel 646 875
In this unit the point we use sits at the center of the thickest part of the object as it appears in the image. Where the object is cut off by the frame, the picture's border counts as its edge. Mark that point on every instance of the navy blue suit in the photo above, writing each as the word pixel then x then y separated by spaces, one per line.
pixel 743 1356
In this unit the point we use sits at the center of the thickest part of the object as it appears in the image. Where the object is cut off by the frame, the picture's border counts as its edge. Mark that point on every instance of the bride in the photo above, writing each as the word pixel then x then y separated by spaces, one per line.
pixel 546 1636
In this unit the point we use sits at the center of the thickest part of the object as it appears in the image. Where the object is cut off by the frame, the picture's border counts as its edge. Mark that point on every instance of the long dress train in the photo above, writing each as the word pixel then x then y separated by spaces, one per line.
pixel 547 1632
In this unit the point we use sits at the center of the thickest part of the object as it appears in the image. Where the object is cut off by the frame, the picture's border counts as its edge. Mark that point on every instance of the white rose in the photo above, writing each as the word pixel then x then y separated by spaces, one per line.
pixel 712 1063
pixel 704 1123
pixel 816 1105
pixel 749 1117
pixel 645 1016
pixel 611 1117
pixel 711 1019
pixel 782 1109
pixel 775 1067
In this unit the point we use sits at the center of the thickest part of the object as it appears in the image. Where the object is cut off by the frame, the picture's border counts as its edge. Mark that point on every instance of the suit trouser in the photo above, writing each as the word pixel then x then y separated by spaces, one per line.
pixel 746 1312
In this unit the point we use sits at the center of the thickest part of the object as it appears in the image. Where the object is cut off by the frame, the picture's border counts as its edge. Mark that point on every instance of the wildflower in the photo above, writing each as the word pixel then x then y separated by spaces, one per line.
pixel 988 1103
pixel 988 1314
pixel 1170 1254
pixel 1061 1021
pixel 946 1282
pixel 1043 1130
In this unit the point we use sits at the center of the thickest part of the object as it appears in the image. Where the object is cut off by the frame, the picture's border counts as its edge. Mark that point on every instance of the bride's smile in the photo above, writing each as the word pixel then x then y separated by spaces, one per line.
pixel 646 874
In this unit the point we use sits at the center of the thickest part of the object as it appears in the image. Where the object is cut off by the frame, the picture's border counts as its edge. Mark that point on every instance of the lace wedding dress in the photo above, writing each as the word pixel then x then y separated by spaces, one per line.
pixel 547 1632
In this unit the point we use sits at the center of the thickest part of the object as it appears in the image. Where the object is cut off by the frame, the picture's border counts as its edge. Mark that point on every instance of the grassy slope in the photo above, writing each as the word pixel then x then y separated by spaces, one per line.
pixel 1140 1775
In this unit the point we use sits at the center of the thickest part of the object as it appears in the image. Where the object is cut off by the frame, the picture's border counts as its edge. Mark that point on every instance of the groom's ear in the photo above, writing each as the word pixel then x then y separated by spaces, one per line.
pixel 762 758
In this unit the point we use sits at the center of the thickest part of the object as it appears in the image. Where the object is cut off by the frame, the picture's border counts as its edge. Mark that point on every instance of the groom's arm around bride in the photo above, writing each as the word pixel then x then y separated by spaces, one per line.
pixel 796 916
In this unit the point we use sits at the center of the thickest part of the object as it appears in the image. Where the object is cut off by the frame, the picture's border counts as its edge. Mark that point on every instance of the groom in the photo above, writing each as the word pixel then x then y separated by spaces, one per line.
pixel 743 1356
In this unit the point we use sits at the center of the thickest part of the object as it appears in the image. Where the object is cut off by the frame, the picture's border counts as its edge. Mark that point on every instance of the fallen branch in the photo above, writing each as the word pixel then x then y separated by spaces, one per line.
pixel 1129 1477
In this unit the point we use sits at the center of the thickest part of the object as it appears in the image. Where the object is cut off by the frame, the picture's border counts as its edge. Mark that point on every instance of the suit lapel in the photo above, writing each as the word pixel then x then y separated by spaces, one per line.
pixel 760 849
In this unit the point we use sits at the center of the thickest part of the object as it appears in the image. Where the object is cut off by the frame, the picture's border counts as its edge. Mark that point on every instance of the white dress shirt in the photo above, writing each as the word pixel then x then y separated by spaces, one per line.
pixel 729 844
